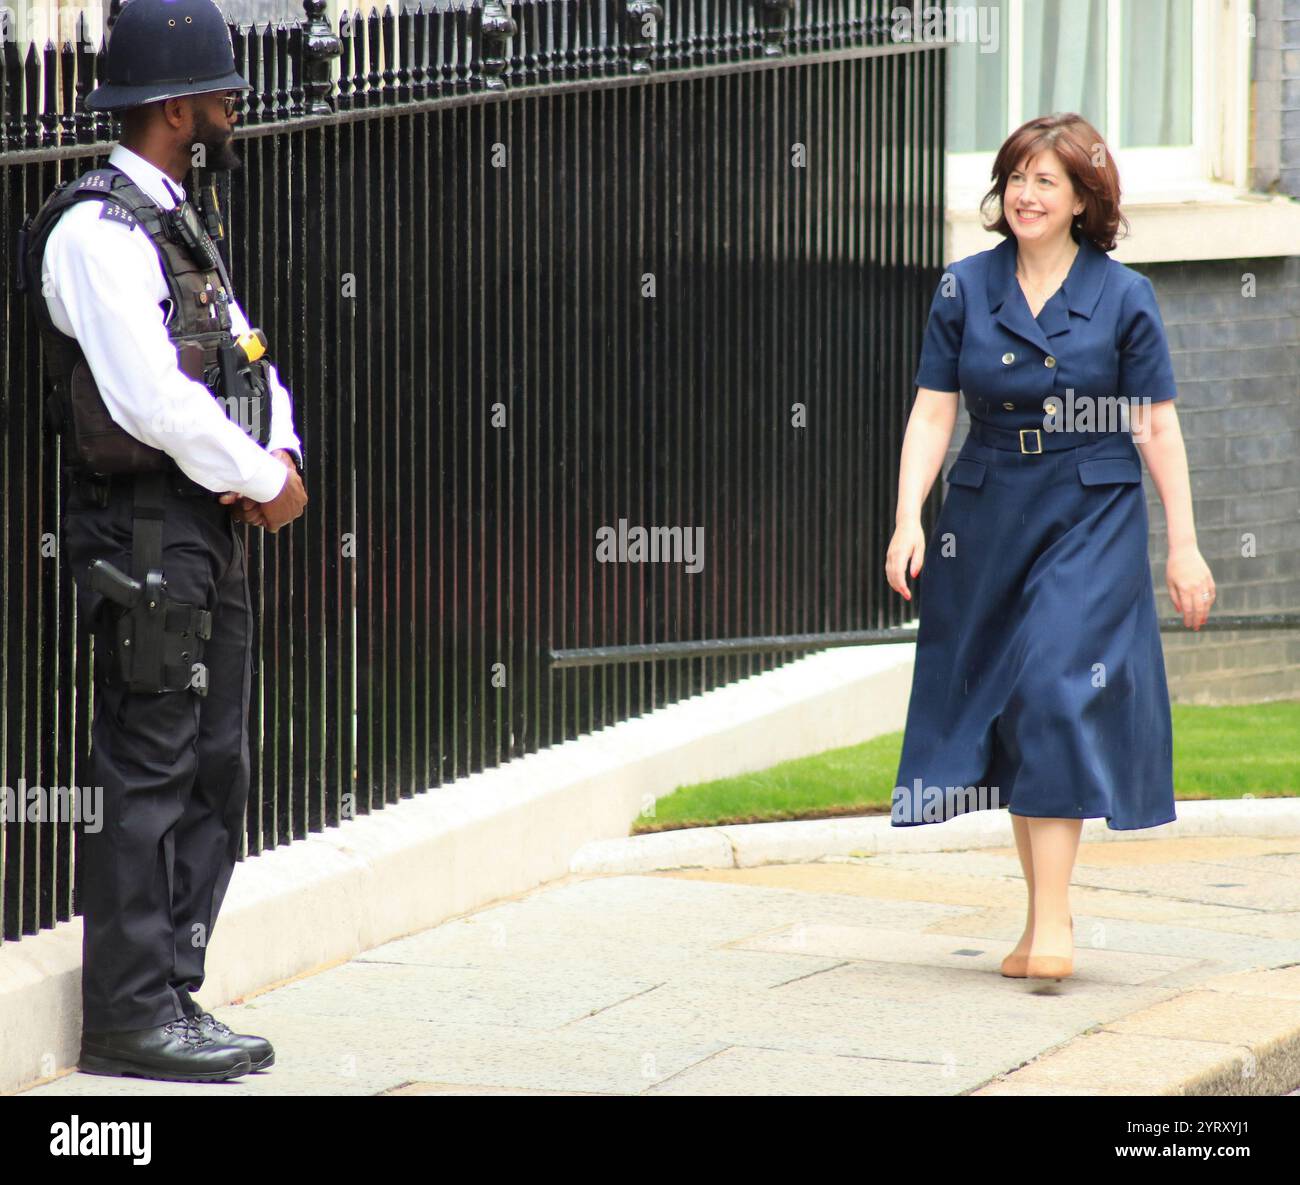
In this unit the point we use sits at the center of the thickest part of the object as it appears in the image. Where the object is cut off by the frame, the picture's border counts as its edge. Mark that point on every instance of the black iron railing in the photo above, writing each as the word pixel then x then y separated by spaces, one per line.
pixel 538 276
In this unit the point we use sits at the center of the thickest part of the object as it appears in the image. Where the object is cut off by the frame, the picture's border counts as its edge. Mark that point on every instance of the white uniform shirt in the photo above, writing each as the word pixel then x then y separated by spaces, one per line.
pixel 104 284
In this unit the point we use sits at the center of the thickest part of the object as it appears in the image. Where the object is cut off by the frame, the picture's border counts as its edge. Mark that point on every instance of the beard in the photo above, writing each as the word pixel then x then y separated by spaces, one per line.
pixel 218 144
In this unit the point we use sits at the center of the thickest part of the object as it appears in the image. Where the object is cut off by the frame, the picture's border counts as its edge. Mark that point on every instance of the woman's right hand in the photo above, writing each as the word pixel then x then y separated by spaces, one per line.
pixel 906 554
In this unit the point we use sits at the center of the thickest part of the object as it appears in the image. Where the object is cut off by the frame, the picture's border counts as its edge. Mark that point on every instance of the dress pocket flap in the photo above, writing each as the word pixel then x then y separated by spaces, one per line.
pixel 1103 470
pixel 966 471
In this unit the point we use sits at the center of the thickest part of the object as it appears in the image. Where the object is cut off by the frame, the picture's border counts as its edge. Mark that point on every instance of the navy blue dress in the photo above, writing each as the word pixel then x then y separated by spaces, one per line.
pixel 1039 680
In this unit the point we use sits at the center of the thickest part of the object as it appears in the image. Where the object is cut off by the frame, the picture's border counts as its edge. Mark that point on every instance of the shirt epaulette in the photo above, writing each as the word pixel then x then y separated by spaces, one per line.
pixel 115 213
pixel 97 179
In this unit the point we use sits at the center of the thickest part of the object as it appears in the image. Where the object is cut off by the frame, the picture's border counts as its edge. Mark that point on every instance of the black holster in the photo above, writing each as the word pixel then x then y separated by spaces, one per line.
pixel 158 640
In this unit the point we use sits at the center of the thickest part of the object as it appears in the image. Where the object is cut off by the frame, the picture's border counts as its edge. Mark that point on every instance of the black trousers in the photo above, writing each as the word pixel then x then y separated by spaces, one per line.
pixel 173 766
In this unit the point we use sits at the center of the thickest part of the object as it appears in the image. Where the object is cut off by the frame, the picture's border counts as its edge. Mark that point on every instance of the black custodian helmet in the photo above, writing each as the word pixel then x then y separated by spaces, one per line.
pixel 161 49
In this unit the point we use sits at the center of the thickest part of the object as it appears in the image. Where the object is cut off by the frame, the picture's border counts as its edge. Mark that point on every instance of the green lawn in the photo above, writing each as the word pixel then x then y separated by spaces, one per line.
pixel 1219 752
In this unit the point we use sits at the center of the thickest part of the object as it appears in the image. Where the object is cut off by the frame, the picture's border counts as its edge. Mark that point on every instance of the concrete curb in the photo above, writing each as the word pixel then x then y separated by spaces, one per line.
pixel 750 845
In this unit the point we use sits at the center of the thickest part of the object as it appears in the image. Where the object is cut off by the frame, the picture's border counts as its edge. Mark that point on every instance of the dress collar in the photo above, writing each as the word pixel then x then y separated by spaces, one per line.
pixel 151 180
pixel 1079 292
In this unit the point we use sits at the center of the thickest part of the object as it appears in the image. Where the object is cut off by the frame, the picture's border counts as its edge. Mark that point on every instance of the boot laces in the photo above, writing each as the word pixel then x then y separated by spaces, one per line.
pixel 220 1026
pixel 187 1029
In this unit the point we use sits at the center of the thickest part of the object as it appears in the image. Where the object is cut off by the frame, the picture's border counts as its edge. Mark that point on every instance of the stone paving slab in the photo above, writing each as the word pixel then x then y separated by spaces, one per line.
pixel 877 945
pixel 874 976
pixel 1126 1063
pixel 894 1031
pixel 966 999
pixel 1122 934
pixel 531 996
pixel 964 891
pixel 443 1088
pixel 797 1074
pixel 1281 863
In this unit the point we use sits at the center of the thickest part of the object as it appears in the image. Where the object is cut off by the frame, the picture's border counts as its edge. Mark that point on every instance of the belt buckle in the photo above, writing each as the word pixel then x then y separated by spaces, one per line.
pixel 1038 433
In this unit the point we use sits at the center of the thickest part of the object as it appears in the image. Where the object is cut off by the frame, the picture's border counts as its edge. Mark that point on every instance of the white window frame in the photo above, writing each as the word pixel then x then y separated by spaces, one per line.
pixel 1183 203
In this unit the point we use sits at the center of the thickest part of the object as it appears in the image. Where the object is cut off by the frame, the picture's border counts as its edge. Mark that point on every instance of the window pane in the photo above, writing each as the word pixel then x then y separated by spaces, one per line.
pixel 1157 66
pixel 977 81
pixel 1065 59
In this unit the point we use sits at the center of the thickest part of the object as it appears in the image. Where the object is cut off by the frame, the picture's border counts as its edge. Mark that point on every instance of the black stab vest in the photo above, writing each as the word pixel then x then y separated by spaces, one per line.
pixel 197 317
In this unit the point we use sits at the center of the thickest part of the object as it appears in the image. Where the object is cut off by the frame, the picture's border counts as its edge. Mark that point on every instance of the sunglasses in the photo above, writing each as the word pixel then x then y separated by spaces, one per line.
pixel 231 103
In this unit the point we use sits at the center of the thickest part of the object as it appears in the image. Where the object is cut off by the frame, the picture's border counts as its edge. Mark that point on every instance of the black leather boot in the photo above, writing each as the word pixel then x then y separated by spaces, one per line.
pixel 259 1050
pixel 178 1051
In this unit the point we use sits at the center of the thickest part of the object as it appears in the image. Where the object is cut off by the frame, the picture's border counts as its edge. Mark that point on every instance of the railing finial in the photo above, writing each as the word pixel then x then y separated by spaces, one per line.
pixel 320 44
pixel 771 16
pixel 643 19
pixel 495 26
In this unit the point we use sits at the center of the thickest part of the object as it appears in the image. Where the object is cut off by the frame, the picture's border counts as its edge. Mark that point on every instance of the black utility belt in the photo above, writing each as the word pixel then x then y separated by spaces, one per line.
pixel 105 488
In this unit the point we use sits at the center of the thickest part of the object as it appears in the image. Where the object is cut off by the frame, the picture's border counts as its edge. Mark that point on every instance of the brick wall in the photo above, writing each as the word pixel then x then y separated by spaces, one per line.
pixel 1237 361
pixel 1275 97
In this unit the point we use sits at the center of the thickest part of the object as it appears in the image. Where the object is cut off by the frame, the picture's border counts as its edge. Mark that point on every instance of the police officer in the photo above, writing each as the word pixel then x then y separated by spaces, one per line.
pixel 174 427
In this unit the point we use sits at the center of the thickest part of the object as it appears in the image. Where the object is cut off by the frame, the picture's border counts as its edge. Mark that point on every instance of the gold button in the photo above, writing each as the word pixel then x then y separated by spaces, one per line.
pixel 1050 408
pixel 1008 359
pixel 1009 406
pixel 1049 361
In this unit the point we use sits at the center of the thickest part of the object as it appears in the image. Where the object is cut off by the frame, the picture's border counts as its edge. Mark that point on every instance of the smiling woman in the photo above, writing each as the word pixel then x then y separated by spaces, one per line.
pixel 1039 681
pixel 1054 175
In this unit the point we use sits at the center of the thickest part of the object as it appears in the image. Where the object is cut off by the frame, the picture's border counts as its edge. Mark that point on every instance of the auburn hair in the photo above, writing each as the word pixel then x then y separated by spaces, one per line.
pixel 1080 147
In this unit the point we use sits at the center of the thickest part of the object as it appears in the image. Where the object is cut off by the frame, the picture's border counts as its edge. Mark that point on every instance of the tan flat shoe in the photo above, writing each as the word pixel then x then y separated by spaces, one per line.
pixel 1016 966
pixel 1050 966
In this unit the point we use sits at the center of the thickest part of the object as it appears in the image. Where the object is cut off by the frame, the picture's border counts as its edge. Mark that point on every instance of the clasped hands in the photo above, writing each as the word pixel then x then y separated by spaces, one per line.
pixel 286 506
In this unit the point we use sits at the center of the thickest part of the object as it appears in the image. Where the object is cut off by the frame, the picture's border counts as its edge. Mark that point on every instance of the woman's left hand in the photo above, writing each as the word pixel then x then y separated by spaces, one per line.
pixel 1191 587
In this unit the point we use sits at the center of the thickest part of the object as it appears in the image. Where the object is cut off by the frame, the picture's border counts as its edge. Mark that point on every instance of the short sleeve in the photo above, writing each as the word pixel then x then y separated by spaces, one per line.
pixel 941 347
pixel 1145 368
